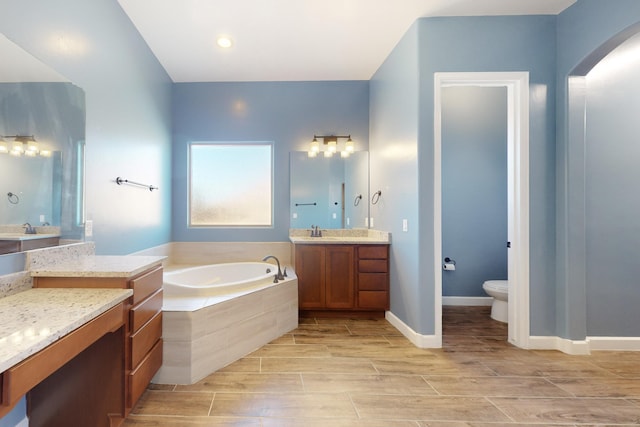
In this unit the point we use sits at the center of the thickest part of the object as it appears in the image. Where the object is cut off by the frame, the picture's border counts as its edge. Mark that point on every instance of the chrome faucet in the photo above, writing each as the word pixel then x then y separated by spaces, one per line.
pixel 315 231
pixel 28 229
pixel 279 276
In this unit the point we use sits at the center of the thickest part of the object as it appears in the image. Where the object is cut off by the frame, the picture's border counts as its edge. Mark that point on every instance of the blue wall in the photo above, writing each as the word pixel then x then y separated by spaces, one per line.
pixel 517 43
pixel 288 113
pixel 128 97
pixel 474 187
pixel 586 32
pixel 394 171
pixel 612 206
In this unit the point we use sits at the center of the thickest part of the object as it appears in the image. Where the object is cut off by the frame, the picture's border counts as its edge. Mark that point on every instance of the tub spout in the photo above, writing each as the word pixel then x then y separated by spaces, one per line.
pixel 279 276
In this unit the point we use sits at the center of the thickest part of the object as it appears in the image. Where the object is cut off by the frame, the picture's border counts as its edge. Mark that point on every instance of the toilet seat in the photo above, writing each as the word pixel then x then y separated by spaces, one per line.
pixel 497 285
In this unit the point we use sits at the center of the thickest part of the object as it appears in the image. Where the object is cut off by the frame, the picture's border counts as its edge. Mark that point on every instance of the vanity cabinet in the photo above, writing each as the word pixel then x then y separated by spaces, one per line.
pixel 143 323
pixel 325 276
pixel 342 278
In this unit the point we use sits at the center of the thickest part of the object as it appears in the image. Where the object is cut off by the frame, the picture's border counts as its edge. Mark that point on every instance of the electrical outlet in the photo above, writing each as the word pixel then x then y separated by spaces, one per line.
pixel 371 222
pixel 41 219
pixel 295 215
pixel 88 228
pixel 405 225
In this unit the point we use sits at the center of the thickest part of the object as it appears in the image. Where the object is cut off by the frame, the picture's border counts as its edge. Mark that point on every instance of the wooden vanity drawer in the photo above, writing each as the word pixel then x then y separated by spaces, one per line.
pixel 373 282
pixel 145 285
pixel 373 299
pixel 140 377
pixel 141 313
pixel 372 252
pixel 372 266
pixel 143 340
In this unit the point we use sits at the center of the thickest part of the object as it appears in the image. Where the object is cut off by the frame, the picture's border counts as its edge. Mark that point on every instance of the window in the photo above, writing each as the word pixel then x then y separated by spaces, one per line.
pixel 230 185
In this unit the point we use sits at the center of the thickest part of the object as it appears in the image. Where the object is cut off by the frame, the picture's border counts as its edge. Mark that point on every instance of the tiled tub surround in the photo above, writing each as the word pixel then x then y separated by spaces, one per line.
pixel 222 329
pixel 202 335
pixel 185 254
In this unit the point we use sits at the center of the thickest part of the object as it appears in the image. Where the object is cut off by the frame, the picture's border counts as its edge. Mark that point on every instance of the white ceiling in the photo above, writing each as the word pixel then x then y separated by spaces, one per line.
pixel 22 66
pixel 294 40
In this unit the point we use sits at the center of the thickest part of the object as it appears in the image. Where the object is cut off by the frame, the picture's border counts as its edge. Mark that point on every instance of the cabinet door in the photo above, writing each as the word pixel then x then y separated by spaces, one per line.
pixel 310 269
pixel 339 281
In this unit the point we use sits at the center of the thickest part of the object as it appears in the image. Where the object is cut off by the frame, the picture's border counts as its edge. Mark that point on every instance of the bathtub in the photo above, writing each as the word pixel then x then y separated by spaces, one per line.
pixel 216 314
pixel 218 279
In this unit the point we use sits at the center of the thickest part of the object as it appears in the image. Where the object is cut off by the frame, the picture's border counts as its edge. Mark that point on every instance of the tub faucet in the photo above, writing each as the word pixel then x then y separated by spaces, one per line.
pixel 28 229
pixel 279 276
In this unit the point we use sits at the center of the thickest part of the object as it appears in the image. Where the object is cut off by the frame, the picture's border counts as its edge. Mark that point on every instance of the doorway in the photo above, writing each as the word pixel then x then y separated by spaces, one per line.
pixel 517 88
pixel 474 192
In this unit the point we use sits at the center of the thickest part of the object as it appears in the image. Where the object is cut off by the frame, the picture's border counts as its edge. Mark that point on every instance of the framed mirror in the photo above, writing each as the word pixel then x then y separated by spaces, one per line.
pixel 44 113
pixel 330 193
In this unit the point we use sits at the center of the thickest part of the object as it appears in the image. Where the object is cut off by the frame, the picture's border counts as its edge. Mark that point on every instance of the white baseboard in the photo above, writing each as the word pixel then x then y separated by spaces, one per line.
pixel 614 343
pixel 468 301
pixel 561 344
pixel 586 346
pixel 573 347
pixel 23 423
pixel 419 340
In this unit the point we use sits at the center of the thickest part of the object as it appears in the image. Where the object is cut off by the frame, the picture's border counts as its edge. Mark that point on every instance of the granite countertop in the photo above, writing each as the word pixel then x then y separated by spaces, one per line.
pixel 33 319
pixel 341 237
pixel 99 266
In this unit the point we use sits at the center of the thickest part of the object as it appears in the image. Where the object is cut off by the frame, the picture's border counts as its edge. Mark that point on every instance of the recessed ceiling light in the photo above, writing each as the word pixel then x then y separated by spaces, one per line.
pixel 224 42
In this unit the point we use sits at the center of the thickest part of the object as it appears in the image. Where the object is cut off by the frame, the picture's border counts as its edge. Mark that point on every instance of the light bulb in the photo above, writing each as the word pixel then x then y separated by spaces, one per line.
pixel 32 146
pixel 348 146
pixel 17 146
pixel 332 146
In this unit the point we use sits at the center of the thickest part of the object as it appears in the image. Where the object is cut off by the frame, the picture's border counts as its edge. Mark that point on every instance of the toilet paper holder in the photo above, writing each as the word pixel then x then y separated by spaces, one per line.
pixel 449 264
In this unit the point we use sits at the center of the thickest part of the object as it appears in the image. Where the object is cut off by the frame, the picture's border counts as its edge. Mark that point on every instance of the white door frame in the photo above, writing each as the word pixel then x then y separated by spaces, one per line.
pixel 517 84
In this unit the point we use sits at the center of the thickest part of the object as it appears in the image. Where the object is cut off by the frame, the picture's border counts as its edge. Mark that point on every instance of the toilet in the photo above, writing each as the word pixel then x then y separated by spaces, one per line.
pixel 499 290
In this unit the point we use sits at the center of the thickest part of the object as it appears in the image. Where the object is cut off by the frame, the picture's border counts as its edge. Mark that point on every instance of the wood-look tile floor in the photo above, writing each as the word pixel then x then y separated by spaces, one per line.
pixel 341 372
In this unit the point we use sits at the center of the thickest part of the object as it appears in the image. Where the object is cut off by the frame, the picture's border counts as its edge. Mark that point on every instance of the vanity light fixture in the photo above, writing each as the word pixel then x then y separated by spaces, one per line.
pixel 22 144
pixel 331 141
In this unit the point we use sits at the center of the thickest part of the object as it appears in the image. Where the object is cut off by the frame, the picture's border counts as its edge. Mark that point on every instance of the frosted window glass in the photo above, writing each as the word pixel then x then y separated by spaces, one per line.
pixel 230 184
